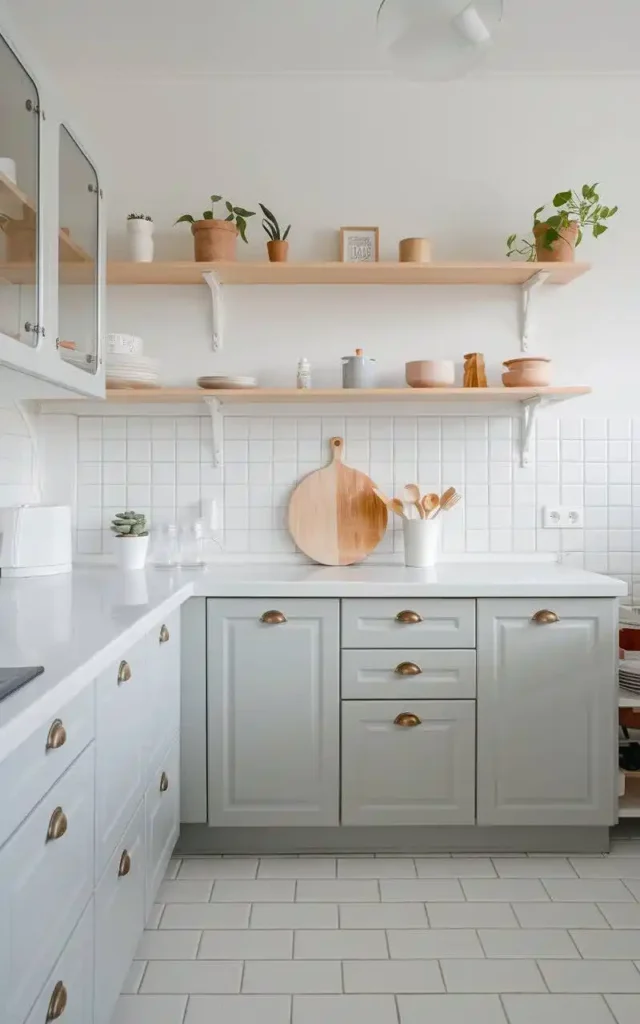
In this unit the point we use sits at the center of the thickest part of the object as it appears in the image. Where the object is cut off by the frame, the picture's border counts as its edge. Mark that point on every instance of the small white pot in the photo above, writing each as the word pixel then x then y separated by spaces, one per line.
pixel 421 541
pixel 131 552
pixel 140 234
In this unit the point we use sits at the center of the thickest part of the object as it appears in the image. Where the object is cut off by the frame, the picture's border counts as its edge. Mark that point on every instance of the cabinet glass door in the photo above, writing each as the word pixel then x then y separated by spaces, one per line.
pixel 19 200
pixel 78 296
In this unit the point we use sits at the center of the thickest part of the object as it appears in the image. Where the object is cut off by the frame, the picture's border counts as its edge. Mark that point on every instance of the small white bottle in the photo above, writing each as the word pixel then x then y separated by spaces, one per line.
pixel 303 378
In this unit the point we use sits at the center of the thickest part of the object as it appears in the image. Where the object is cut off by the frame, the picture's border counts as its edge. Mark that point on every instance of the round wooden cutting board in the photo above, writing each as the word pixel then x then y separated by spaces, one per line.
pixel 334 516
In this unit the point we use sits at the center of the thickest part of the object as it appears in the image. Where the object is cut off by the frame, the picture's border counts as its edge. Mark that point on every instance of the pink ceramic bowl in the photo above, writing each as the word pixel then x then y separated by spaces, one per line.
pixel 527 372
pixel 430 373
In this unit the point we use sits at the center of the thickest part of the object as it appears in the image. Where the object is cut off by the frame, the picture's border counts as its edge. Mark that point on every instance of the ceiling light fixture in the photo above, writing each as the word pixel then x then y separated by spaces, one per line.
pixel 436 39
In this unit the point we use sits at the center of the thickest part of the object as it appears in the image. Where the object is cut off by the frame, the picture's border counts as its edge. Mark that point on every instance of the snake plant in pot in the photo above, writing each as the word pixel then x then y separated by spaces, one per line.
pixel 277 247
pixel 215 239
pixel 131 540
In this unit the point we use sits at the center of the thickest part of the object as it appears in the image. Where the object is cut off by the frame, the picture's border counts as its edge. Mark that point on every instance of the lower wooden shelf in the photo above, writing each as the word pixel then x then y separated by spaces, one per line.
pixel 358 395
pixel 629 804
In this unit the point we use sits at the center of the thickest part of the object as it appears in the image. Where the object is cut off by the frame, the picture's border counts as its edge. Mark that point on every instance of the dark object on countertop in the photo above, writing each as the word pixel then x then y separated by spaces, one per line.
pixel 13 678
pixel 629 758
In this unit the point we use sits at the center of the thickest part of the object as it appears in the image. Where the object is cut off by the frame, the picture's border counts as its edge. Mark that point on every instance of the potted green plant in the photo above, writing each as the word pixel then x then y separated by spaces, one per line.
pixel 132 539
pixel 215 239
pixel 555 238
pixel 277 247
pixel 140 233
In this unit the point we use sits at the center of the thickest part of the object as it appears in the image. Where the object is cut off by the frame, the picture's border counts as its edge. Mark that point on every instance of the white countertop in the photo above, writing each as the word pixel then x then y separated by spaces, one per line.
pixel 76 624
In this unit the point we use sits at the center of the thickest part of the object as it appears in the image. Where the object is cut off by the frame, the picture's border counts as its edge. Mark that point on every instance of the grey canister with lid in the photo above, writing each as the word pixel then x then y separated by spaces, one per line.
pixel 357 371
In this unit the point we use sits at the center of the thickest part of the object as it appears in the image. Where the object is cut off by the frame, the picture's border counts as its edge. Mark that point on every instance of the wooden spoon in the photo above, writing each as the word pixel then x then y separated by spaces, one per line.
pixel 383 498
pixel 430 503
pixel 396 506
pixel 411 496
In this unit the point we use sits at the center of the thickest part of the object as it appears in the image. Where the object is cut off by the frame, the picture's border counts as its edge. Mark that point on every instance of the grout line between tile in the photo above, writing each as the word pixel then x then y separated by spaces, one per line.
pixel 186 1007
pixel 199 945
pixel 144 971
pixel 397 1006
pixel 444 984
pixel 570 934
pixel 544 980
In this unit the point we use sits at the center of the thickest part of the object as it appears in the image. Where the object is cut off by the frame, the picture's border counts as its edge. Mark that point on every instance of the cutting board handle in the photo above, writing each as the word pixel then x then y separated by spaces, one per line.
pixel 337 448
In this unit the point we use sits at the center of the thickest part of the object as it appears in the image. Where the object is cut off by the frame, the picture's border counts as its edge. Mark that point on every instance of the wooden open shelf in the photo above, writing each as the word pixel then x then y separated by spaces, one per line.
pixel 357 395
pixel 263 272
pixel 70 251
pixel 629 804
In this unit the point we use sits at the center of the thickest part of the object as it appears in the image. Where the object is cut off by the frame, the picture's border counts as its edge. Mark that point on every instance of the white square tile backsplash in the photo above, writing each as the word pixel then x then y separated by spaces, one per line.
pixel 162 465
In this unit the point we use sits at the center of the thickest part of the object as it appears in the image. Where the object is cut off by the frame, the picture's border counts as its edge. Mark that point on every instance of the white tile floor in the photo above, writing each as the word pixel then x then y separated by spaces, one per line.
pixel 392 940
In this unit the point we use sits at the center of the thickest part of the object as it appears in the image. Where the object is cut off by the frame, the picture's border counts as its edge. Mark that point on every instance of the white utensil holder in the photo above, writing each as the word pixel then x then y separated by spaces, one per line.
pixel 421 541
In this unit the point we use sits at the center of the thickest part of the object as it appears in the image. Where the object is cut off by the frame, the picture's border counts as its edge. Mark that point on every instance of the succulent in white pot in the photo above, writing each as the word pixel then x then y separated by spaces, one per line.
pixel 140 232
pixel 131 540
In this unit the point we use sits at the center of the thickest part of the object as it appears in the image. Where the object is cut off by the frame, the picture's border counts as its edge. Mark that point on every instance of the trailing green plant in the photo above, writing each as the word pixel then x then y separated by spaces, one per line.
pixel 139 216
pixel 130 524
pixel 271 226
pixel 584 209
pixel 237 214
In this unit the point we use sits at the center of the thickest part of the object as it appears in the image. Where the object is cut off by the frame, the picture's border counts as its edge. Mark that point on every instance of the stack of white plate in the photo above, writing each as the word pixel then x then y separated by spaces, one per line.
pixel 127 367
pixel 234 383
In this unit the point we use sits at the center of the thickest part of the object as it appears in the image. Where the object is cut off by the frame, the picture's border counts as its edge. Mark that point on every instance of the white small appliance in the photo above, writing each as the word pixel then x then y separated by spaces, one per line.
pixel 35 540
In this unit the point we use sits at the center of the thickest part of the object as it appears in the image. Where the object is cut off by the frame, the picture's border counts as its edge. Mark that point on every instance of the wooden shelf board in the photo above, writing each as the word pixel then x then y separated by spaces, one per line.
pixel 263 272
pixel 629 804
pixel 303 397
pixel 70 251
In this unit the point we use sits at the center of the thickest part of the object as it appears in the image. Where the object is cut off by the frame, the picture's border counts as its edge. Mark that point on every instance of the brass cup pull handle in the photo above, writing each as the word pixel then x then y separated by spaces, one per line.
pixel 58 1002
pixel 408 617
pixel 57 735
pixel 407 720
pixel 408 668
pixel 124 672
pixel 544 617
pixel 273 618
pixel 58 825
pixel 164 782
pixel 125 864
pixel 164 634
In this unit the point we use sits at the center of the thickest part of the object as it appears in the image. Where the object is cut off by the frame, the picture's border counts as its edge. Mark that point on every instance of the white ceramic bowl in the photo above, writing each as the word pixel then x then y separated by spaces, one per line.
pixel 430 373
pixel 124 344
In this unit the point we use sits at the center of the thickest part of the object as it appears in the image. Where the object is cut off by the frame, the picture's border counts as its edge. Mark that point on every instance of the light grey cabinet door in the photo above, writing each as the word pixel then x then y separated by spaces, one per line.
pixel 547 711
pixel 408 762
pixel 273 711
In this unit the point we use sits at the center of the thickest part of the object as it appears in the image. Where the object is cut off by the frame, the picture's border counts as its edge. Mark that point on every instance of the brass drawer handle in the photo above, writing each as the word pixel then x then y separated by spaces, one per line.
pixel 545 617
pixel 407 720
pixel 273 618
pixel 125 864
pixel 57 736
pixel 124 672
pixel 408 668
pixel 58 1002
pixel 164 634
pixel 164 782
pixel 408 618
pixel 58 825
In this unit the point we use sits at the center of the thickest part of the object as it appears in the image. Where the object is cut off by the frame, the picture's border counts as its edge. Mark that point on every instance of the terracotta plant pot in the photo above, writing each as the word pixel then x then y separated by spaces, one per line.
pixel 527 372
pixel 563 250
pixel 278 251
pixel 214 240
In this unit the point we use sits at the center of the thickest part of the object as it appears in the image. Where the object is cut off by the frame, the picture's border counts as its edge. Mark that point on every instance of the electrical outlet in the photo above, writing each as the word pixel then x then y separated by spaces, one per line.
pixel 562 517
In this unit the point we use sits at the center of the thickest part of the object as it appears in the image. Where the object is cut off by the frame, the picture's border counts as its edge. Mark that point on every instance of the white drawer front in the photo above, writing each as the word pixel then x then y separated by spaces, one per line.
pixel 162 712
pixel 70 983
pixel 387 675
pixel 46 879
pixel 420 774
pixel 31 770
pixel 162 819
pixel 122 694
pixel 414 622
pixel 119 916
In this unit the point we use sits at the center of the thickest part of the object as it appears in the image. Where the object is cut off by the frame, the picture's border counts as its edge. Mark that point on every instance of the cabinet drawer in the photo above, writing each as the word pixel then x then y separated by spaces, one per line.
pixel 162 710
pixel 122 696
pixel 162 819
pixel 414 622
pixel 31 770
pixel 389 675
pixel 421 772
pixel 46 879
pixel 70 983
pixel 119 916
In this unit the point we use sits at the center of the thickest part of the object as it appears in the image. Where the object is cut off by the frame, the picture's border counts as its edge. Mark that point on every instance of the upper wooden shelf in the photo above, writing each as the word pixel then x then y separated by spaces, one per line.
pixel 263 272
pixel 307 397
pixel 70 251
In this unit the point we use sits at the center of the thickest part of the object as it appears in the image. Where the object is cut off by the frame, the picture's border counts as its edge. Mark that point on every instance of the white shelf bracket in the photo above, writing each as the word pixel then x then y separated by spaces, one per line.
pixel 530 408
pixel 215 411
pixel 217 309
pixel 526 294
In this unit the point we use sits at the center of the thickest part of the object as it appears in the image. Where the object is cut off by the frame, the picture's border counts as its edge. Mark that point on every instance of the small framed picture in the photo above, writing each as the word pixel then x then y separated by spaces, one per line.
pixel 359 245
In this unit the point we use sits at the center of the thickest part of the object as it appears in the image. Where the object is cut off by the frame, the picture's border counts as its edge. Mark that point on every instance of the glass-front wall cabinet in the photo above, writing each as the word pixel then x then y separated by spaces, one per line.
pixel 20 248
pixel 78 243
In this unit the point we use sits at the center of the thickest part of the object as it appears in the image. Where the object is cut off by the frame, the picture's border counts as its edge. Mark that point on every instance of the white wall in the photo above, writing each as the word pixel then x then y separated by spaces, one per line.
pixel 17 484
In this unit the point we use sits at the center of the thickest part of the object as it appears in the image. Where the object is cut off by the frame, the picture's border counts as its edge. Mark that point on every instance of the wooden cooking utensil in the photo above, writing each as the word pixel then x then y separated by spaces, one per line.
pixel 383 498
pixel 445 498
pixel 450 502
pixel 397 506
pixel 334 516
pixel 411 496
pixel 430 503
